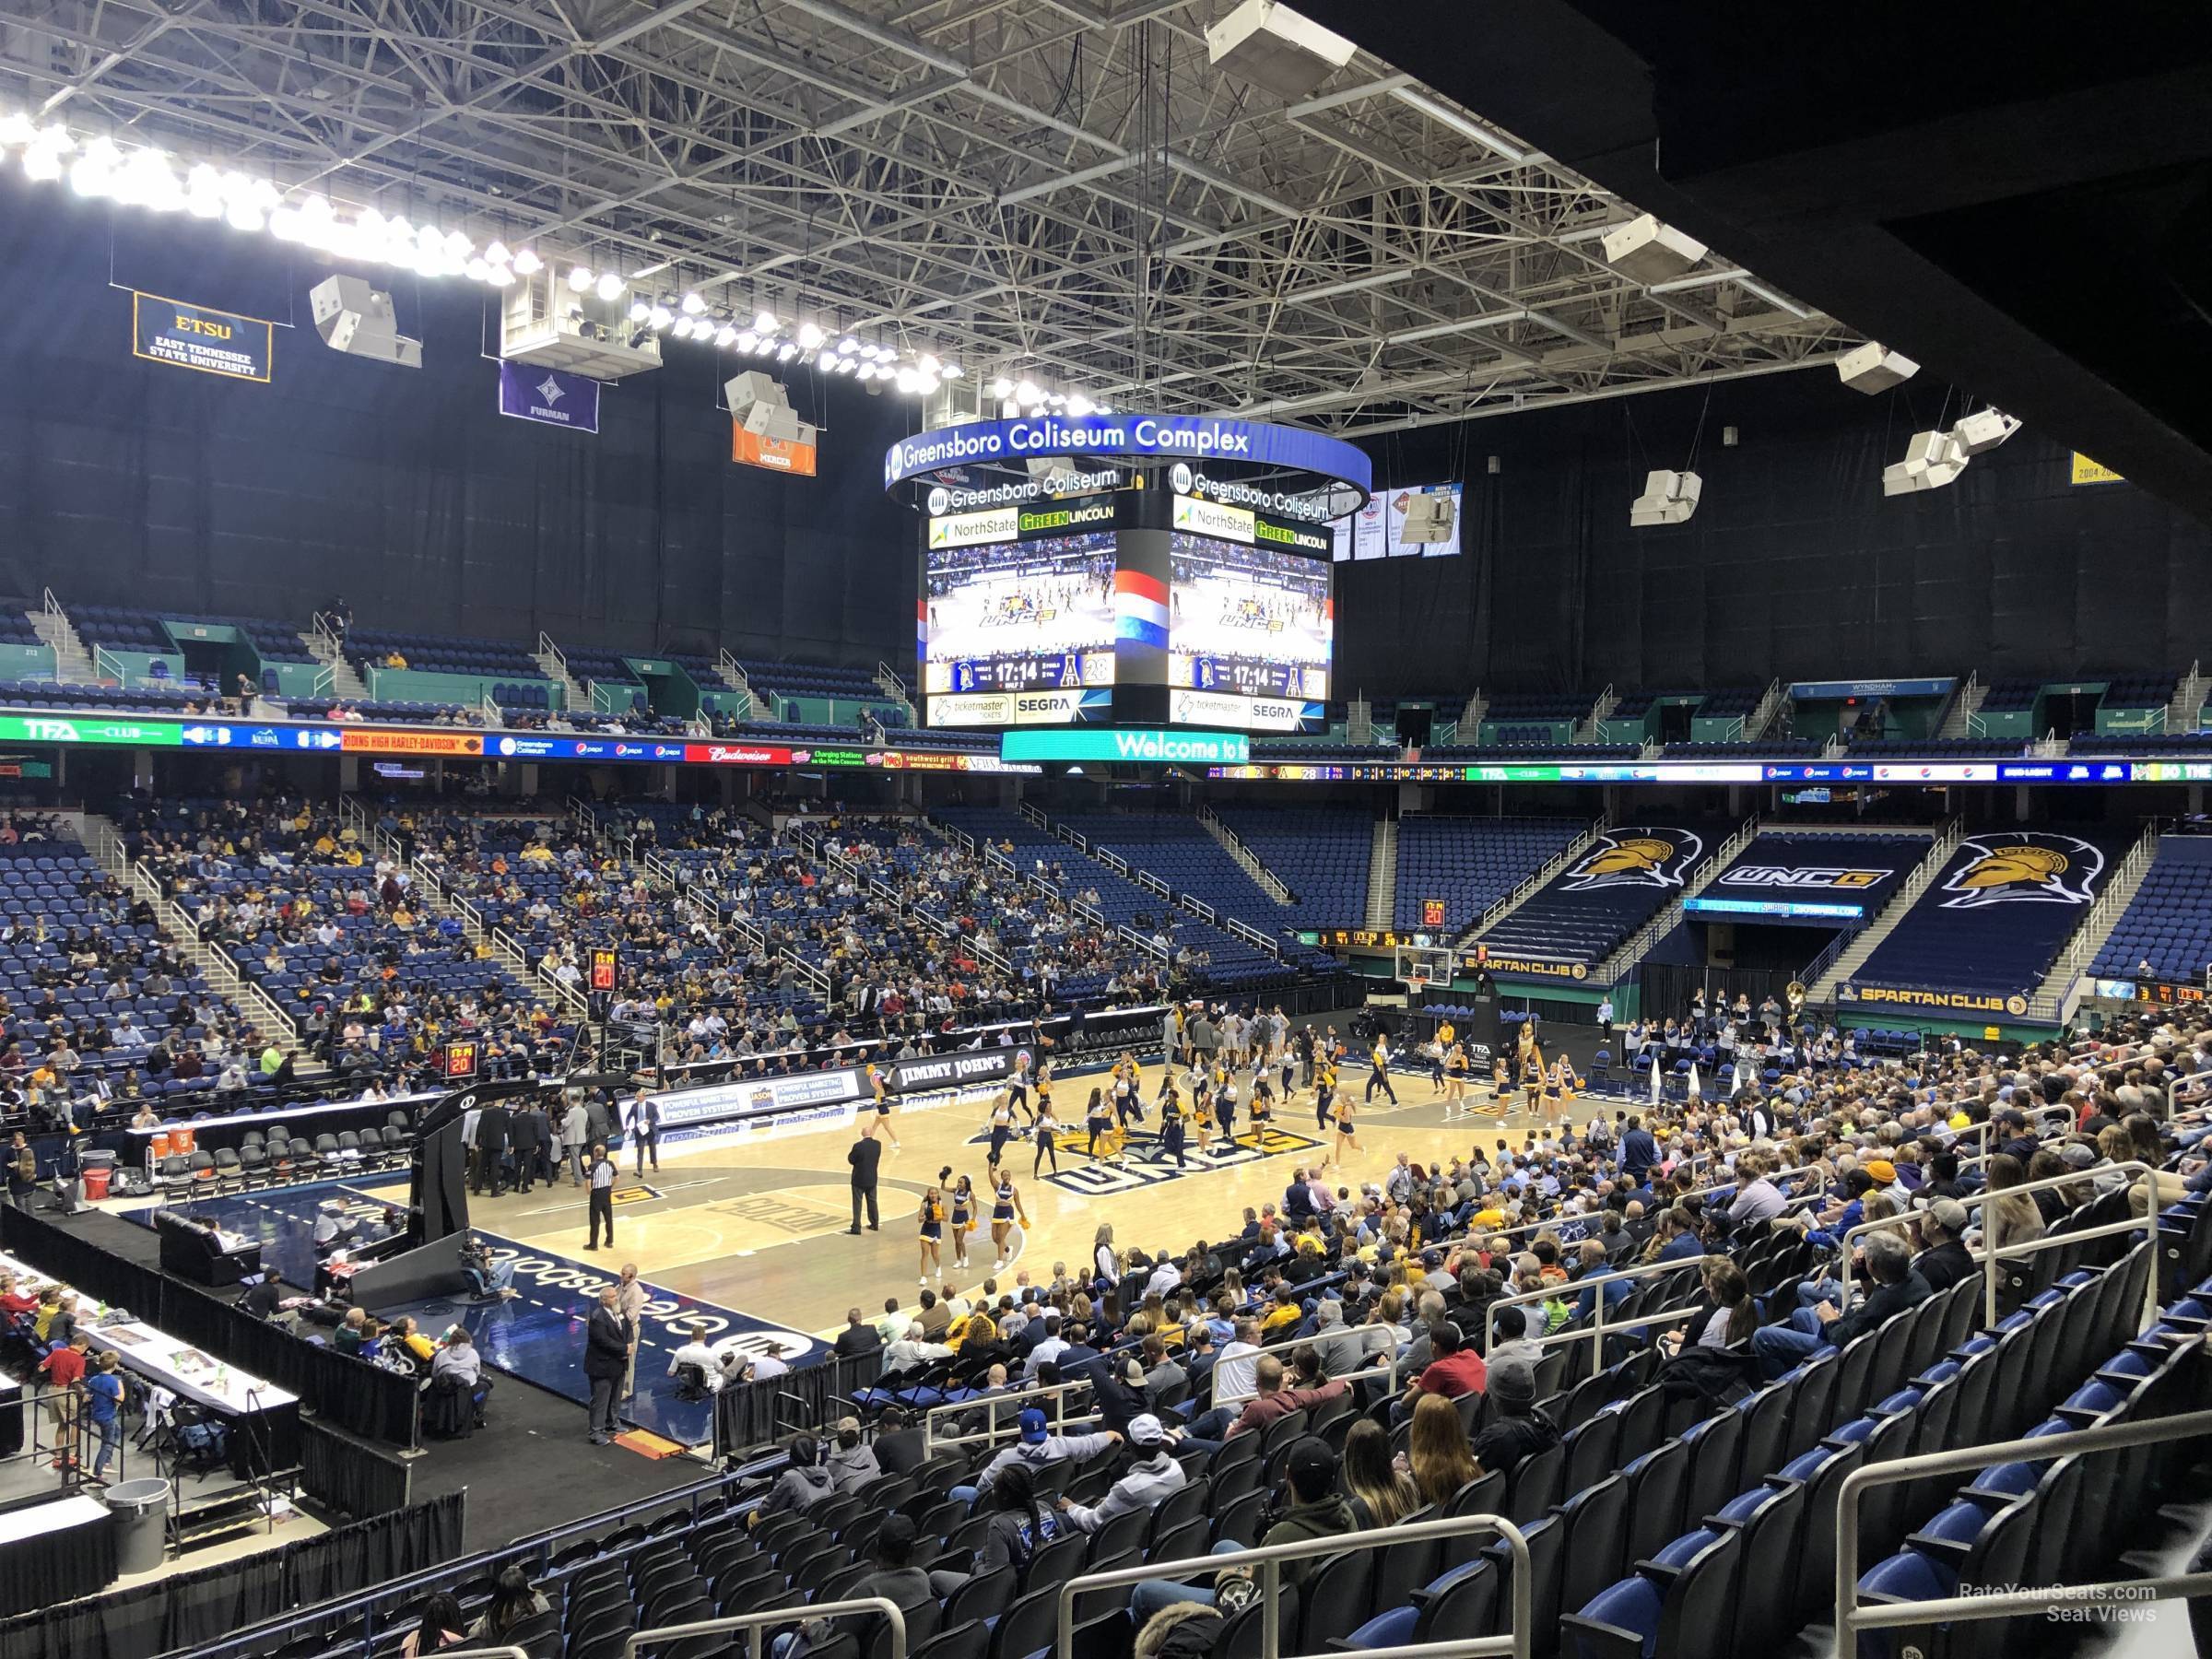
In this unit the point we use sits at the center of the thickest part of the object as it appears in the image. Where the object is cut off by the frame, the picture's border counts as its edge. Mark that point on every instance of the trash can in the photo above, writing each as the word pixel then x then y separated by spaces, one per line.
pixel 96 1182
pixel 141 1509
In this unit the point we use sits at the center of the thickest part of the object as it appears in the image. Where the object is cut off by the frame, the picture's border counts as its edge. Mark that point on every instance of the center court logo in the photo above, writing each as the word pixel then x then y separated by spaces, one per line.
pixel 2031 867
pixel 1640 857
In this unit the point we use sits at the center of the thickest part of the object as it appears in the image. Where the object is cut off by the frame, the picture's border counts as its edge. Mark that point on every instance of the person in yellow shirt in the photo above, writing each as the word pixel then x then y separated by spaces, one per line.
pixel 393 660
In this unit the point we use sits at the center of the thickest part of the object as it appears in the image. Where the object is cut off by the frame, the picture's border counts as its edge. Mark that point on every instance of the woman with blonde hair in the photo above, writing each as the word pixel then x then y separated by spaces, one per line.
pixel 2008 1218
pixel 1436 1454
pixel 1382 1493
pixel 1106 1261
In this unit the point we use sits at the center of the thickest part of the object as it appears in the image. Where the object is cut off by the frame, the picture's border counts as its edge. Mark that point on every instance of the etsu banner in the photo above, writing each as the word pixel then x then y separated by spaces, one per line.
pixel 192 337
pixel 551 396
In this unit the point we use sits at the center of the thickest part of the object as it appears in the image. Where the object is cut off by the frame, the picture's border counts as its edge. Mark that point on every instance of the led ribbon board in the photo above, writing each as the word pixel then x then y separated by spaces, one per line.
pixel 1199 438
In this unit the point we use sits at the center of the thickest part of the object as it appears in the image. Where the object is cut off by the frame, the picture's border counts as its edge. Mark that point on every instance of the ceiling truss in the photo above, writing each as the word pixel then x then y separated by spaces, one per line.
pixel 1057 189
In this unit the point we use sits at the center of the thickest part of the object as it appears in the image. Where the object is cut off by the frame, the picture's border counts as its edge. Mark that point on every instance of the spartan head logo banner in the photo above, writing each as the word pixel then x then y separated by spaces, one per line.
pixel 1641 857
pixel 2032 867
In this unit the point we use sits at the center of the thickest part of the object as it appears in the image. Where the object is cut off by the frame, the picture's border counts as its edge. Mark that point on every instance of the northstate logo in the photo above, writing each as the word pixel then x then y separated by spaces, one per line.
pixel 2031 867
pixel 1636 858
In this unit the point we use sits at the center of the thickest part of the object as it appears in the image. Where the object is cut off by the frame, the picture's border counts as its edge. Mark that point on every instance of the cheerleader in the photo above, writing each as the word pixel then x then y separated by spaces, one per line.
pixel 1001 1128
pixel 1559 1090
pixel 1325 1090
pixel 1455 1081
pixel 1344 1137
pixel 932 1230
pixel 1005 1205
pixel 1018 1086
pixel 1377 1075
pixel 1532 1076
pixel 882 1120
pixel 1501 1082
pixel 1129 1097
pixel 1170 1126
pixel 1099 1119
pixel 1045 1088
pixel 963 1215
pixel 1201 1118
pixel 1263 1108
pixel 1225 1103
pixel 1046 1128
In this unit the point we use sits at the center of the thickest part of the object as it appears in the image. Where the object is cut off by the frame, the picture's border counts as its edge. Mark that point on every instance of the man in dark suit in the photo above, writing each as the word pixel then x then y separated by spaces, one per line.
pixel 524 1134
pixel 642 1124
pixel 605 1355
pixel 857 1337
pixel 494 1131
pixel 865 1154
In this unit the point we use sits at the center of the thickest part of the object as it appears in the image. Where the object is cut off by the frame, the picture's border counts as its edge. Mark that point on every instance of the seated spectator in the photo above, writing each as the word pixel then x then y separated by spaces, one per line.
pixel 1148 1481
pixel 1315 1510
pixel 1817 1329
pixel 804 1483
pixel 851 1461
pixel 1517 1427
pixel 1382 1493
pixel 1038 1448
pixel 1436 1454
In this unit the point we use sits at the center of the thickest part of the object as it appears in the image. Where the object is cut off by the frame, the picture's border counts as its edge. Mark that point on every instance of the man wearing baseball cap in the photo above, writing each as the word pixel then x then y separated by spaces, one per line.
pixel 1149 1481
pixel 1316 1509
pixel 1038 1447
pixel 1517 1430
pixel 1944 1259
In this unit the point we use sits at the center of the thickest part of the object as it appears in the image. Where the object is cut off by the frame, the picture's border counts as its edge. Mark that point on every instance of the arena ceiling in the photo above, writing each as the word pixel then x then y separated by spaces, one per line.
pixel 1061 188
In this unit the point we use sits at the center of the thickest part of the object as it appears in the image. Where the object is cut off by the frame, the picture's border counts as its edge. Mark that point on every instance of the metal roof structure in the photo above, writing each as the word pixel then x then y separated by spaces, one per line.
pixel 1061 190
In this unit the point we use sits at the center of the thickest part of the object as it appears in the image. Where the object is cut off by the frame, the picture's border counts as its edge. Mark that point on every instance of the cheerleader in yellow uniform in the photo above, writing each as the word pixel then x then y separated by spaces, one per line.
pixel 1202 1116
pixel 1263 1108
pixel 1006 1204
pixel 1531 1055
pixel 963 1215
pixel 1501 1084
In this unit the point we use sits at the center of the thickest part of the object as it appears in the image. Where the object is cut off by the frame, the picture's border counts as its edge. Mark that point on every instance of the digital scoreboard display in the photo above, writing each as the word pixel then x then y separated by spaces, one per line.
pixel 1247 619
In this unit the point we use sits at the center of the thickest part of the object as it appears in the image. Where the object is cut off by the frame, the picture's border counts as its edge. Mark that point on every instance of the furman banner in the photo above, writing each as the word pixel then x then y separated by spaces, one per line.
pixel 192 337
pixel 549 396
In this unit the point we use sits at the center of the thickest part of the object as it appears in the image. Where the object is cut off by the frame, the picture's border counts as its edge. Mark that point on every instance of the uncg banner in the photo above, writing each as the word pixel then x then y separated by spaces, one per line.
pixel 192 337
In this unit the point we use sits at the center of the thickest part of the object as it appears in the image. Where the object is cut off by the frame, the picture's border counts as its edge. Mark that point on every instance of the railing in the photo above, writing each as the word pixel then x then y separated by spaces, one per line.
pixel 1112 861
pixel 1852 1618
pixel 1153 883
pixel 1131 935
pixel 1247 860
pixel 1385 1370
pixel 324 683
pixel 1533 882
pixel 1252 935
pixel 755 1625
pixel 1199 907
pixel 1599 1327
pixel 1765 710
pixel 1647 937
pixel 1020 1399
pixel 2095 924
pixel 546 648
pixel 1989 1258
pixel 1906 896
pixel 212 958
pixel 1269 1558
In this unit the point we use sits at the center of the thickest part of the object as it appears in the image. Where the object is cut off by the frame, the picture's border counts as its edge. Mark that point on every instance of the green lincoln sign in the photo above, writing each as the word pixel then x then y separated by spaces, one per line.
pixel 1159 748
pixel 56 728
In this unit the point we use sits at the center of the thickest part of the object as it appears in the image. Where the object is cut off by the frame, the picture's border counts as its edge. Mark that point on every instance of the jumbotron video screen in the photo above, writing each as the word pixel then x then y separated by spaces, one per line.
pixel 1019 615
pixel 1247 619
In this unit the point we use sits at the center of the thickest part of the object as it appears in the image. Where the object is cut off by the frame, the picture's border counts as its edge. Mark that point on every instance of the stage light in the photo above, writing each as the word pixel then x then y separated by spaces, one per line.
pixel 785 352
pixel 660 316
pixel 906 380
pixel 1931 460
pixel 640 311
pixel 42 162
pixel 527 263
pixel 501 276
pixel 682 330
pixel 1875 368
pixel 1002 388
pixel 245 214
pixel 476 270
pixel 843 365
pixel 611 287
pixel 725 335
pixel 1026 393
pixel 580 279
pixel 929 364
pixel 1645 250
pixel 848 347
pixel 16 128
pixel 497 252
pixel 1984 430
pixel 951 371
pixel 93 172
pixel 765 322
pixel 748 339
pixel 693 305
pixel 1669 497
pixel 457 247
pixel 810 337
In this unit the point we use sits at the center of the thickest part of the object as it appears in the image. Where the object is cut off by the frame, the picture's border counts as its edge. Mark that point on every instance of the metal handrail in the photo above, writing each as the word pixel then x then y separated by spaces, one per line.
pixel 1575 1287
pixel 1385 1369
pixel 1852 1618
pixel 756 1625
pixel 1990 1258
pixel 1022 1399
pixel 1268 1558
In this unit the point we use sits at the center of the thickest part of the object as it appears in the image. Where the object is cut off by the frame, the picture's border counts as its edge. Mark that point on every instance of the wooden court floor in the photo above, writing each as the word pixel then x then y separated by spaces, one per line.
pixel 762 1227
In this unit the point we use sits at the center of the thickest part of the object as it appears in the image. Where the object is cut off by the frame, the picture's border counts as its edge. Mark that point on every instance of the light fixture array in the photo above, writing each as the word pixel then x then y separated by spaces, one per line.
pixel 154 180
pixel 777 339
pixel 1019 394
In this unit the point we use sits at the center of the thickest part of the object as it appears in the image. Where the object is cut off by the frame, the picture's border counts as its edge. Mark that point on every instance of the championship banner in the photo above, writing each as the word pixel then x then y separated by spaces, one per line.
pixel 551 396
pixel 192 337
pixel 777 454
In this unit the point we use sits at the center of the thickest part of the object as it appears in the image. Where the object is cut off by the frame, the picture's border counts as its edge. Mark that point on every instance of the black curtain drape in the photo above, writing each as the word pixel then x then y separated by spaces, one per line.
pixel 190 1608
pixel 50 1567
pixel 342 1473
pixel 359 1398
